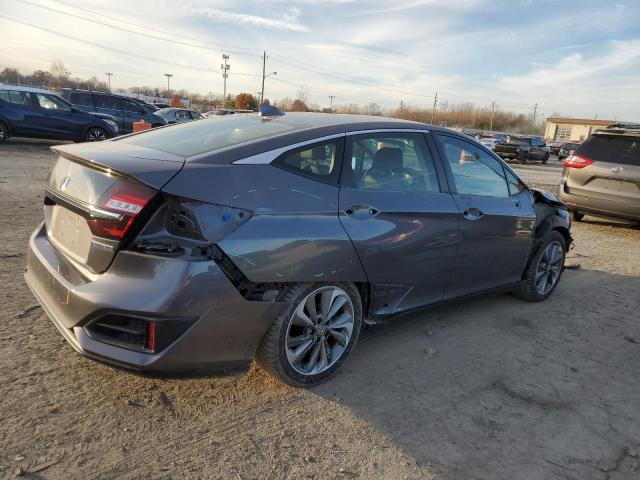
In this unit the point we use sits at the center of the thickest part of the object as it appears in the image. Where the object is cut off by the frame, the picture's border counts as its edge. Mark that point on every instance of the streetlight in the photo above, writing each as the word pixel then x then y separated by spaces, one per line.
pixel 168 75
pixel 263 79
pixel 108 74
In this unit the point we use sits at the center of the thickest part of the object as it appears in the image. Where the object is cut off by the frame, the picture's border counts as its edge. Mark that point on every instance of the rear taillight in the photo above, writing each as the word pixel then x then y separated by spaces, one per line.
pixel 577 161
pixel 123 201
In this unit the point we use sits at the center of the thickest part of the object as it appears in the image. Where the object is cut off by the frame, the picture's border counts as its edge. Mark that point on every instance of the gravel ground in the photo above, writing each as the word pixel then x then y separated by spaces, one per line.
pixel 489 388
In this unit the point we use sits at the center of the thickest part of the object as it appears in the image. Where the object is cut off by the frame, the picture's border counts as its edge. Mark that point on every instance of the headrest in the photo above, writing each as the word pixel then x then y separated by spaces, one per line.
pixel 388 158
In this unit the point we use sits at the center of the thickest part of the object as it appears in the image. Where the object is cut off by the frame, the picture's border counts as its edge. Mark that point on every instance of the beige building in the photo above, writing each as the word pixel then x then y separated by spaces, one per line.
pixel 572 129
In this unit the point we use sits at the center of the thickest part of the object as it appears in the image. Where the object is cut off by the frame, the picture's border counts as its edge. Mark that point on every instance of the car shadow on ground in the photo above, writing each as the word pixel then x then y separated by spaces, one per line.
pixel 607 222
pixel 495 387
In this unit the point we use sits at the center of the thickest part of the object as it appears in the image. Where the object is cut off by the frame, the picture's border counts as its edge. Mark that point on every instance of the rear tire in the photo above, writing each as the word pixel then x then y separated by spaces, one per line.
pixel 544 270
pixel 303 348
pixel 4 132
pixel 545 158
pixel 577 216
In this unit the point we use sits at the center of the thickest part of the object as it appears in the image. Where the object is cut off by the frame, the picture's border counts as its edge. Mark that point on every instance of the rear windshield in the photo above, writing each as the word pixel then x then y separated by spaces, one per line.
pixel 612 148
pixel 193 138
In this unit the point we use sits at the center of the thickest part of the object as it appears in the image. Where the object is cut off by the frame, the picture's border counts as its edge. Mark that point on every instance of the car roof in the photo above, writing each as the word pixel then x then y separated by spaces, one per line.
pixel 20 88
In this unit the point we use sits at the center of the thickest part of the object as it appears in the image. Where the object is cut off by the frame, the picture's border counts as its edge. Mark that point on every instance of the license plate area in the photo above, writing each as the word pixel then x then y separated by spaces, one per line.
pixel 69 232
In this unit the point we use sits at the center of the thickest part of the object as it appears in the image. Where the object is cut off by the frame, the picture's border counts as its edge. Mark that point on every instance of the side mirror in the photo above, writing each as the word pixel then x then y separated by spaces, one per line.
pixel 74 110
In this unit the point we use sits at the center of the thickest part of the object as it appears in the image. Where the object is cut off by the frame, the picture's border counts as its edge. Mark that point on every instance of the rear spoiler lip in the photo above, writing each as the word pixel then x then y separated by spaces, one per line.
pixel 92 210
pixel 84 161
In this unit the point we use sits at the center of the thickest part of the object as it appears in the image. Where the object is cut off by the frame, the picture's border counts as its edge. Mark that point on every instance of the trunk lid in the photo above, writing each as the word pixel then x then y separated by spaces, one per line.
pixel 95 194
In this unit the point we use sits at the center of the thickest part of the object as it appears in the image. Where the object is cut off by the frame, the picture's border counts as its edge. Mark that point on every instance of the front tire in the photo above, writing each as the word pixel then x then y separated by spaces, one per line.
pixel 96 134
pixel 545 269
pixel 577 216
pixel 4 132
pixel 308 342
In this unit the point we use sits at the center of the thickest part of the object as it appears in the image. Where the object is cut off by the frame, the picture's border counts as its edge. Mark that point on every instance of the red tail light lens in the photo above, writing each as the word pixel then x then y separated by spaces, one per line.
pixel 577 161
pixel 124 200
pixel 151 336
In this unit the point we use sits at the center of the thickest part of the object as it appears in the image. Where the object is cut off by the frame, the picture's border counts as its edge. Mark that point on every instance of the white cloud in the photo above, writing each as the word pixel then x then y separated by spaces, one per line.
pixel 287 22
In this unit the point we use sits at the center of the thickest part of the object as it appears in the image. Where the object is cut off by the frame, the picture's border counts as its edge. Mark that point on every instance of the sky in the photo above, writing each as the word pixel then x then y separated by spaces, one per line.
pixel 573 58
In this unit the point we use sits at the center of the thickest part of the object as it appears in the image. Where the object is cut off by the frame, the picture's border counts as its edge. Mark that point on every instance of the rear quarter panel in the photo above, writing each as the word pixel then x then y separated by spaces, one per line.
pixel 294 234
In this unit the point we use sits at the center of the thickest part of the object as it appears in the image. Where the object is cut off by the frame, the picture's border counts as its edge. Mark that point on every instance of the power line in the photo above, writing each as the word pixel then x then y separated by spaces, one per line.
pixel 148 35
pixel 117 50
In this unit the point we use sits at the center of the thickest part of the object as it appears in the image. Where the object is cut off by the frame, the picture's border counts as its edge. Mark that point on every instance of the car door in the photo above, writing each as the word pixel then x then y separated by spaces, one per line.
pixel 131 113
pixel 57 117
pixel 25 115
pixel 395 206
pixel 496 227
pixel 111 106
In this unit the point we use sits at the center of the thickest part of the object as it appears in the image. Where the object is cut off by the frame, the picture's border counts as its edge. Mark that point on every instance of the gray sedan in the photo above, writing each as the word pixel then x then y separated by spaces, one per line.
pixel 278 236
pixel 178 115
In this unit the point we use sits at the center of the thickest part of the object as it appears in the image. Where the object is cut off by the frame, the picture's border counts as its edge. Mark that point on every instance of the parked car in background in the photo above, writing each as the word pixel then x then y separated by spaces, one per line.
pixel 161 105
pixel 602 176
pixel 554 147
pixel 125 110
pixel 523 149
pixel 37 113
pixel 567 149
pixel 490 142
pixel 178 115
pixel 235 236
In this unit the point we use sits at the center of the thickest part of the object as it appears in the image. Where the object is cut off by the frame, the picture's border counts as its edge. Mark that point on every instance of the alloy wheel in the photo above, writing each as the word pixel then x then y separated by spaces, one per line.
pixel 96 135
pixel 319 330
pixel 549 268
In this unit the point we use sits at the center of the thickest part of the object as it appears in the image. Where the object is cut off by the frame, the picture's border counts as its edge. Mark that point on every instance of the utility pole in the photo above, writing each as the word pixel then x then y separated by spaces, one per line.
pixel 433 112
pixel 168 75
pixel 225 74
pixel 493 110
pixel 535 113
pixel 331 97
pixel 264 65
pixel 108 74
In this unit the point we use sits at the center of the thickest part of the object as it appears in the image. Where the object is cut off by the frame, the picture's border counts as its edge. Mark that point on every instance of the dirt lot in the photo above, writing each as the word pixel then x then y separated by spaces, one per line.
pixel 490 388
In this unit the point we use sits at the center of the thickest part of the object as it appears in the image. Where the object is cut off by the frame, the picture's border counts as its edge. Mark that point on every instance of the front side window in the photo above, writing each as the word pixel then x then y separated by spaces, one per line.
pixel 515 184
pixel 129 106
pixel 393 162
pixel 196 116
pixel 317 161
pixel 475 171
pixel 52 103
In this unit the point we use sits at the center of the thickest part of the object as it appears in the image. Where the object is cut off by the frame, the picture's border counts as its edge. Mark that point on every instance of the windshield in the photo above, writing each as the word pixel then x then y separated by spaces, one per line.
pixel 193 138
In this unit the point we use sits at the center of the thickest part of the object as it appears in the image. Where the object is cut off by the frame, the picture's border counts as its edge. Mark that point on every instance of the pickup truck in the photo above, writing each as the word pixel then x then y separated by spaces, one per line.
pixel 523 149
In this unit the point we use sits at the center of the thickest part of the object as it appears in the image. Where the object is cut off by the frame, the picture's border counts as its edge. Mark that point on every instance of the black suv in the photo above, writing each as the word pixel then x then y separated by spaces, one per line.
pixel 523 149
pixel 125 110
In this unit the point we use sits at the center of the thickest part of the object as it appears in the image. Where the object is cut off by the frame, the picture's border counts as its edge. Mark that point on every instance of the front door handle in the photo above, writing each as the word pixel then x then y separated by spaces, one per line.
pixel 472 213
pixel 361 211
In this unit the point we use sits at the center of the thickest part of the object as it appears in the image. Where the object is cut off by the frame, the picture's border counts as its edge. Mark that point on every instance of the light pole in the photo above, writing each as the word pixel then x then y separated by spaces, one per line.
pixel 225 67
pixel 168 75
pixel 331 97
pixel 108 74
pixel 264 77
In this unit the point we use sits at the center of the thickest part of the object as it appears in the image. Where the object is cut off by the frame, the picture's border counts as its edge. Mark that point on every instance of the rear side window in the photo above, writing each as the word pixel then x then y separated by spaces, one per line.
pixel 4 95
pixel 612 149
pixel 19 98
pixel 319 161
pixel 475 171
pixel 80 98
pixel 391 161
pixel 106 101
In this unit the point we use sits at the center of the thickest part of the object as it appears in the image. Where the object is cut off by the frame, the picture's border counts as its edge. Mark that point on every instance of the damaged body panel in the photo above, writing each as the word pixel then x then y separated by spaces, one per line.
pixel 195 246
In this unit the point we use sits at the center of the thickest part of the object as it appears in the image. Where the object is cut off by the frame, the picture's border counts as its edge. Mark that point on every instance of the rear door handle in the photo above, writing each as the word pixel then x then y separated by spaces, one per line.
pixel 361 211
pixel 472 213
